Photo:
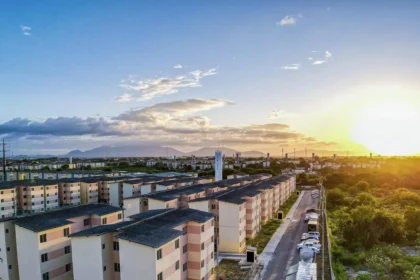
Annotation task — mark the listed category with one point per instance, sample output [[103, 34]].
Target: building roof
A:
[[57, 218], [157, 230], [103, 229], [36, 182]]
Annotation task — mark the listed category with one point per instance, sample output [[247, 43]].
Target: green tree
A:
[[123, 164], [336, 198], [364, 198], [362, 186]]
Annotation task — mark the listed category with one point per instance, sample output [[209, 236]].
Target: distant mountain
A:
[[126, 151], [152, 151]]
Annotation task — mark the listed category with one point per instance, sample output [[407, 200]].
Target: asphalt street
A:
[[285, 253]]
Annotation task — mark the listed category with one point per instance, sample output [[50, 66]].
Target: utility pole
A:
[[3, 145], [282, 153]]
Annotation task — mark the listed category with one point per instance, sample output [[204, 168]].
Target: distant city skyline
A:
[[261, 76]]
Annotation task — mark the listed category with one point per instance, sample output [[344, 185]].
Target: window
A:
[[202, 228], [202, 263], [10, 266], [160, 276], [212, 238], [103, 246], [177, 265], [185, 266], [211, 256], [104, 267], [159, 254], [177, 244], [43, 238], [44, 257], [116, 267], [119, 216], [202, 246], [184, 230], [8, 249], [46, 276], [104, 221], [184, 248], [213, 206], [116, 246], [66, 231], [67, 250], [86, 222], [68, 267]]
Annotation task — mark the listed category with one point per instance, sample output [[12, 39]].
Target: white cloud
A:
[[150, 88], [178, 66], [314, 51], [328, 54], [310, 58], [319, 62], [287, 20], [294, 66], [277, 114], [25, 30]]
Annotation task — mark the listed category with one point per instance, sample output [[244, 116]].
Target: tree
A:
[[123, 164], [65, 166], [362, 186], [364, 198], [335, 198]]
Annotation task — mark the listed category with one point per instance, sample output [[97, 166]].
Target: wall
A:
[[138, 261], [131, 207], [114, 194], [87, 266], [8, 257], [28, 254], [199, 205], [156, 204], [229, 227]]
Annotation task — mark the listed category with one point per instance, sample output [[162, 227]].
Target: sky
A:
[[249, 75]]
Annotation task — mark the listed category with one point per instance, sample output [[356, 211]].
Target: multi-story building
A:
[[8, 257], [37, 195], [8, 200], [157, 244], [43, 244], [69, 192], [89, 190]]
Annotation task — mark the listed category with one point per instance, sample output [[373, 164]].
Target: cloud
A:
[[319, 62], [310, 58], [163, 112], [25, 30], [294, 66], [150, 88], [327, 56], [178, 66], [287, 20], [277, 114]]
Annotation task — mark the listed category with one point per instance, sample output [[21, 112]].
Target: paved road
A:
[[286, 254]]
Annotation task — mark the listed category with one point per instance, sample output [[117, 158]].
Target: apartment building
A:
[[43, 244], [105, 184], [69, 191], [8, 200], [156, 244], [37, 196], [8, 257], [240, 212], [89, 190]]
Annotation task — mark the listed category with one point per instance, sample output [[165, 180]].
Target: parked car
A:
[[306, 236], [307, 216], [313, 247], [309, 243], [315, 233]]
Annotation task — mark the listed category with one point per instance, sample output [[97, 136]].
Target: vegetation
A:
[[371, 216], [268, 229], [230, 270]]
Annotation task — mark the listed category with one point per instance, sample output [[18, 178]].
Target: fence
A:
[[328, 235]]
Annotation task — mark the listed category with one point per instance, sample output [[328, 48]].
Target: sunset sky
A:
[[251, 75]]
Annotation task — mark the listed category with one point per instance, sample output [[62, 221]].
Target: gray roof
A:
[[36, 182], [52, 219], [103, 229], [157, 230]]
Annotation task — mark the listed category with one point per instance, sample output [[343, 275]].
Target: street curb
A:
[[267, 254]]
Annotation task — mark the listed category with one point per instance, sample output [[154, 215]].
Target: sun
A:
[[388, 128]]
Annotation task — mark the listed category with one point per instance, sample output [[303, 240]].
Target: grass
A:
[[268, 229], [230, 270]]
